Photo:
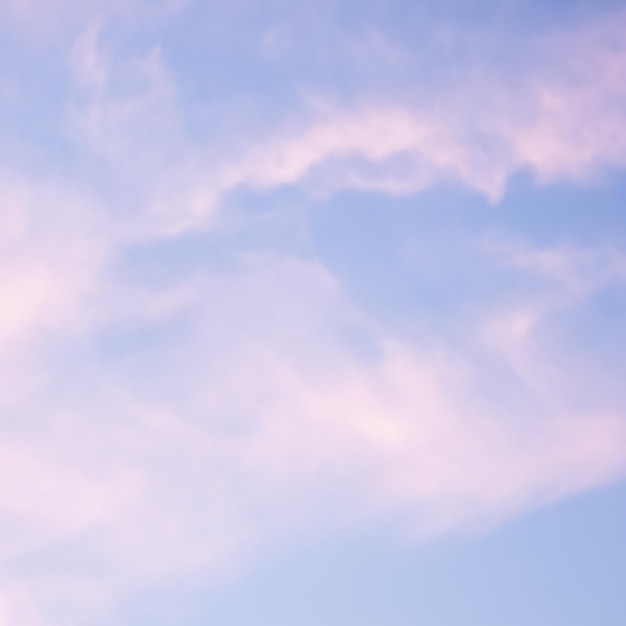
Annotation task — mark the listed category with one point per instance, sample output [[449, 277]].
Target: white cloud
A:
[[561, 279], [261, 423], [252, 411], [43, 23], [564, 122], [561, 116], [53, 246]]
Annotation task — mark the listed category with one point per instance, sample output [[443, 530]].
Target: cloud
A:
[[558, 281], [563, 117], [160, 430], [261, 422], [44, 23], [53, 246]]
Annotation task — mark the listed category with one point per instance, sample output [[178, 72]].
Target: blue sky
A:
[[312, 313]]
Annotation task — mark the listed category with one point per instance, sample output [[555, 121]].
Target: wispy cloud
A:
[[256, 418], [159, 429], [560, 116]]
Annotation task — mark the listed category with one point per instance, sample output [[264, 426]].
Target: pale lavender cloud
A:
[[239, 432], [47, 22], [268, 412], [561, 116], [53, 247]]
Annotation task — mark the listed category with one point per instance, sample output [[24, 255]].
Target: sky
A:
[[312, 313]]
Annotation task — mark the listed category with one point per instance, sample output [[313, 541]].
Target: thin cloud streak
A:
[[563, 122]]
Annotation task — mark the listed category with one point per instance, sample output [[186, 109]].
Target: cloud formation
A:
[[562, 118], [159, 424], [256, 424]]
